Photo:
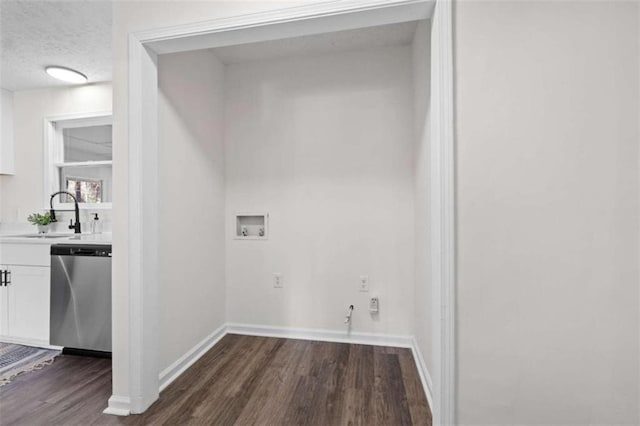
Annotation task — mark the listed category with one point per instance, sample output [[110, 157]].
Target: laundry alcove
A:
[[324, 133], [329, 132]]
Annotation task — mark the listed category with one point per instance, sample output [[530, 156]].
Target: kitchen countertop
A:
[[56, 238]]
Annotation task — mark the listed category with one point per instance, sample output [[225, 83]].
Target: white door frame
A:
[[143, 169], [443, 245]]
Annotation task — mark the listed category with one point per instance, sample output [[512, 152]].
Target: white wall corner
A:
[[443, 214], [423, 372], [638, 18], [143, 227], [169, 374], [118, 406]]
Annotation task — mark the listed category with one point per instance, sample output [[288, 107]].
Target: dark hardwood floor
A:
[[243, 380], [72, 390]]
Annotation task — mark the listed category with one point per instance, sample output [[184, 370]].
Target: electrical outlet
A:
[[373, 305], [277, 280], [363, 283]]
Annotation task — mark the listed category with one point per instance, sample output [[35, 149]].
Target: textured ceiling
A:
[[381, 36], [74, 34]]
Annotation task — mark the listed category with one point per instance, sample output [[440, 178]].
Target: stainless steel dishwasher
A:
[[81, 298]]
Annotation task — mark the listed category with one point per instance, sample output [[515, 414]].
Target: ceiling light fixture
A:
[[67, 74]]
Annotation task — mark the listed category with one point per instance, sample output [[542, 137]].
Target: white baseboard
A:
[[425, 377], [172, 372], [118, 406], [29, 342], [322, 335]]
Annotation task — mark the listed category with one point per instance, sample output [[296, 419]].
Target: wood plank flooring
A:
[[243, 380], [72, 390]]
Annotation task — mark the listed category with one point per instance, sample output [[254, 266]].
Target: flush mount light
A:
[[67, 74]]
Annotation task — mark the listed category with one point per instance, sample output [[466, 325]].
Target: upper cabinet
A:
[[6, 134]]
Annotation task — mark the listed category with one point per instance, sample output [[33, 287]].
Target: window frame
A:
[[54, 155]]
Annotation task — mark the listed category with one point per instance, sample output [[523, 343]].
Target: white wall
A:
[[191, 249], [130, 17], [423, 294], [23, 193], [547, 197], [6, 134], [324, 144]]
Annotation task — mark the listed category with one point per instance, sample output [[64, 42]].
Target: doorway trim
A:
[[443, 214], [143, 227]]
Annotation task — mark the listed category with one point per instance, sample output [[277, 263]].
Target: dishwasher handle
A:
[[92, 250], [82, 252]]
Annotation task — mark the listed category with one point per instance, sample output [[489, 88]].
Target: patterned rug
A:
[[16, 359]]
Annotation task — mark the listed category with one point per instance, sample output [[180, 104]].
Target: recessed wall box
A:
[[251, 226]]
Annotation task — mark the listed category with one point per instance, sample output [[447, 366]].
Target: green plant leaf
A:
[[39, 219]]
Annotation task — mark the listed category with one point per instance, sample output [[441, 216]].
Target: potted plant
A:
[[42, 221]]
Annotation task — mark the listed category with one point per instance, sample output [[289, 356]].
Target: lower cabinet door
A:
[[29, 303], [4, 307]]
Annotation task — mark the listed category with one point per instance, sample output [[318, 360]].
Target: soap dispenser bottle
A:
[[95, 224]]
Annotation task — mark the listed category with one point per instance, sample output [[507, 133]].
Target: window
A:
[[79, 156], [85, 190]]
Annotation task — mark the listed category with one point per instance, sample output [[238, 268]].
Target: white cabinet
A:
[[4, 309], [24, 298], [28, 296], [6, 133]]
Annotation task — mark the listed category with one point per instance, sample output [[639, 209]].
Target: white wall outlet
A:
[[373, 305], [277, 280], [363, 283]]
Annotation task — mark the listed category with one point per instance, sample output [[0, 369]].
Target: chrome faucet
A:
[[76, 227]]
